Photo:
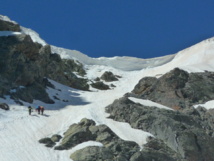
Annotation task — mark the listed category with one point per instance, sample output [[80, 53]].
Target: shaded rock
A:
[[97, 79], [47, 141], [31, 92], [4, 106], [112, 85], [9, 26], [100, 85], [30, 65], [109, 77]]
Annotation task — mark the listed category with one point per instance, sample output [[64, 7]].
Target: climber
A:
[[42, 109], [38, 109], [30, 109]]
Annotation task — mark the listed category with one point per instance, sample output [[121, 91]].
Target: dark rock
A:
[[56, 98], [177, 89], [85, 130], [112, 85], [4, 106], [9, 26], [97, 79], [24, 63], [47, 83], [186, 132], [156, 149], [31, 92], [47, 141], [109, 77], [100, 85]]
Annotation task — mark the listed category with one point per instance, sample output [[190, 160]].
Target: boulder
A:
[[109, 77], [100, 85], [4, 106], [47, 141]]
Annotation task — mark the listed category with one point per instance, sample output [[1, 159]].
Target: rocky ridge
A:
[[107, 77], [177, 89], [186, 130], [25, 66], [113, 147]]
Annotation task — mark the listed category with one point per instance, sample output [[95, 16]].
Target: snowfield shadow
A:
[[45, 115], [62, 96], [34, 115]]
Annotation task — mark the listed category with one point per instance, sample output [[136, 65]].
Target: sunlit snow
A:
[[208, 105], [148, 103]]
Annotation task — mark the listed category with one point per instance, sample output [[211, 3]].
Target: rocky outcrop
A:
[[113, 147], [50, 142], [25, 65], [187, 132], [177, 89], [100, 85], [109, 77], [4, 106], [156, 149], [9, 26]]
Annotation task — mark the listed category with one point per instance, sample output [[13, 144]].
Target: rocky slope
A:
[[177, 89], [186, 131], [25, 66]]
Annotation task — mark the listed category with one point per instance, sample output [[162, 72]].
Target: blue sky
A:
[[138, 28]]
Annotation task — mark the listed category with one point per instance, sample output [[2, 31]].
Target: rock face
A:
[[113, 147], [4, 106], [47, 141], [188, 133], [100, 85], [25, 65], [9, 26], [50, 142], [177, 89], [109, 77]]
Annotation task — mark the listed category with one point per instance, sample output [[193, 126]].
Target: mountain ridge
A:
[[155, 131]]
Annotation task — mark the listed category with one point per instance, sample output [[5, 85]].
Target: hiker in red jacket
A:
[[42, 109]]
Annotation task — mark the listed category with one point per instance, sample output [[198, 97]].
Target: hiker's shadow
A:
[[34, 115], [45, 115]]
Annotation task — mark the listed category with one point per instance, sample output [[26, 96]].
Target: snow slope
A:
[[122, 63], [20, 132]]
